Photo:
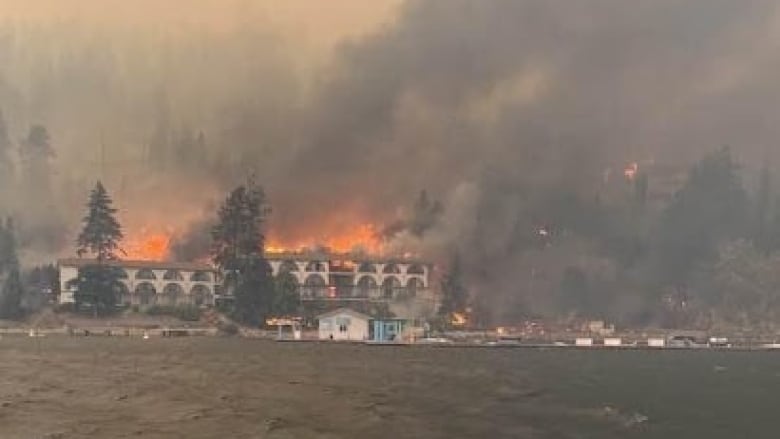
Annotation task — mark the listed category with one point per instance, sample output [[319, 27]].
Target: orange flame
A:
[[148, 247], [155, 246], [459, 319], [361, 238]]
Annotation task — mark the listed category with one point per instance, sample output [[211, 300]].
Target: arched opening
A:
[[314, 286], [172, 294], [201, 276], [415, 269], [366, 286], [201, 295], [145, 274], [173, 275], [124, 297], [121, 273], [414, 285], [390, 287], [145, 293], [316, 266], [391, 269], [367, 267], [288, 267]]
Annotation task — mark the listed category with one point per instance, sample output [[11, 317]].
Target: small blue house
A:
[[388, 330]]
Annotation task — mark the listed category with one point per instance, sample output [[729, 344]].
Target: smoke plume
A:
[[508, 112]]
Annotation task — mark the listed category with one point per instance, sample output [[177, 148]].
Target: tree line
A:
[[709, 257]]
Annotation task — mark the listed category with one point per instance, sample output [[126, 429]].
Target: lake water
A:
[[200, 387]]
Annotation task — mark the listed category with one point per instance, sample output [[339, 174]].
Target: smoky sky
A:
[[479, 102]]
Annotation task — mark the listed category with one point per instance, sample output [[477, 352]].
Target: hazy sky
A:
[[318, 22]]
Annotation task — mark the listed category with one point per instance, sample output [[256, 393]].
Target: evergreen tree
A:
[[98, 286], [8, 256], [101, 233], [36, 152], [773, 226], [286, 297], [11, 296], [455, 296], [41, 283], [762, 212], [709, 208], [238, 250], [12, 289], [98, 283]]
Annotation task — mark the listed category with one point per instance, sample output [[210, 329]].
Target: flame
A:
[[631, 170], [363, 237], [148, 247], [458, 319]]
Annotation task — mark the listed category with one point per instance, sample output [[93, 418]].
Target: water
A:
[[664, 394], [206, 387]]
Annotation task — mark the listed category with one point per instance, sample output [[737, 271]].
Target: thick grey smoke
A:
[[492, 104], [489, 105]]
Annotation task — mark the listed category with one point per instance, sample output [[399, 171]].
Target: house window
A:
[[342, 328]]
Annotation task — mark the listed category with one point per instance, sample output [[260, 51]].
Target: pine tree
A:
[[709, 208], [761, 215], [101, 233], [8, 256], [12, 289], [11, 296], [98, 283], [286, 299], [237, 249], [36, 153]]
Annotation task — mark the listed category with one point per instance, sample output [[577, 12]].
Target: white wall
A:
[[68, 273], [356, 328]]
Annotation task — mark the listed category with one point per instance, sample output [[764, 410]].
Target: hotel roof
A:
[[329, 256], [153, 265]]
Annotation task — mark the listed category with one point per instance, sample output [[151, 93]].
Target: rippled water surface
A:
[[236, 388]]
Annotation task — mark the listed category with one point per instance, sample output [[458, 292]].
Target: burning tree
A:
[[238, 250], [455, 296], [98, 283]]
